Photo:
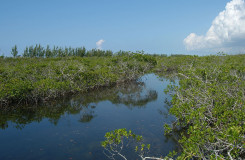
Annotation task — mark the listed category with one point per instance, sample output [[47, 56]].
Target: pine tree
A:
[[26, 52], [14, 51], [48, 52]]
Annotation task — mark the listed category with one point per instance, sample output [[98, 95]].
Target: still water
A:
[[72, 128]]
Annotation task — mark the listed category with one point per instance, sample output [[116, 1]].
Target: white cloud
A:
[[99, 43], [227, 32]]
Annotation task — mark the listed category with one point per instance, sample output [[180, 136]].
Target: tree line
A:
[[55, 51]]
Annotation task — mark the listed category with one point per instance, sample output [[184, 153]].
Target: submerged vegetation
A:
[[208, 102]]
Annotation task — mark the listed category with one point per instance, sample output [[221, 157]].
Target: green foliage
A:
[[39, 51], [14, 51], [145, 58], [208, 102], [116, 140], [33, 79], [22, 114], [209, 106]]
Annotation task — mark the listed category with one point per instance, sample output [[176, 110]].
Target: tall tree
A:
[[48, 52], [14, 51], [26, 52]]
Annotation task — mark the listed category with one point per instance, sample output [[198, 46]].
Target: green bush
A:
[[37, 79], [209, 106]]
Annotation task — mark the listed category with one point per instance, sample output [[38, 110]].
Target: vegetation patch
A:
[[33, 79], [208, 102], [209, 106]]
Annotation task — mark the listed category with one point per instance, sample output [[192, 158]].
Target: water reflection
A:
[[132, 95], [87, 114], [73, 127]]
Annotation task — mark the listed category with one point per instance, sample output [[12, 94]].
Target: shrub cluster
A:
[[41, 79], [209, 106]]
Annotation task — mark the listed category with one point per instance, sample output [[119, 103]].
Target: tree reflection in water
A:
[[132, 95]]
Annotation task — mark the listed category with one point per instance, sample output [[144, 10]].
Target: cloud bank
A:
[[227, 32], [99, 43]]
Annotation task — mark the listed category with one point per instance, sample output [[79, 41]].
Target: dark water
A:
[[72, 128]]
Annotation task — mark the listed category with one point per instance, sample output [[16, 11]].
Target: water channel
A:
[[72, 128]]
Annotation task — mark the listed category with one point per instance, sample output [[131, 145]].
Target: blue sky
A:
[[155, 26]]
